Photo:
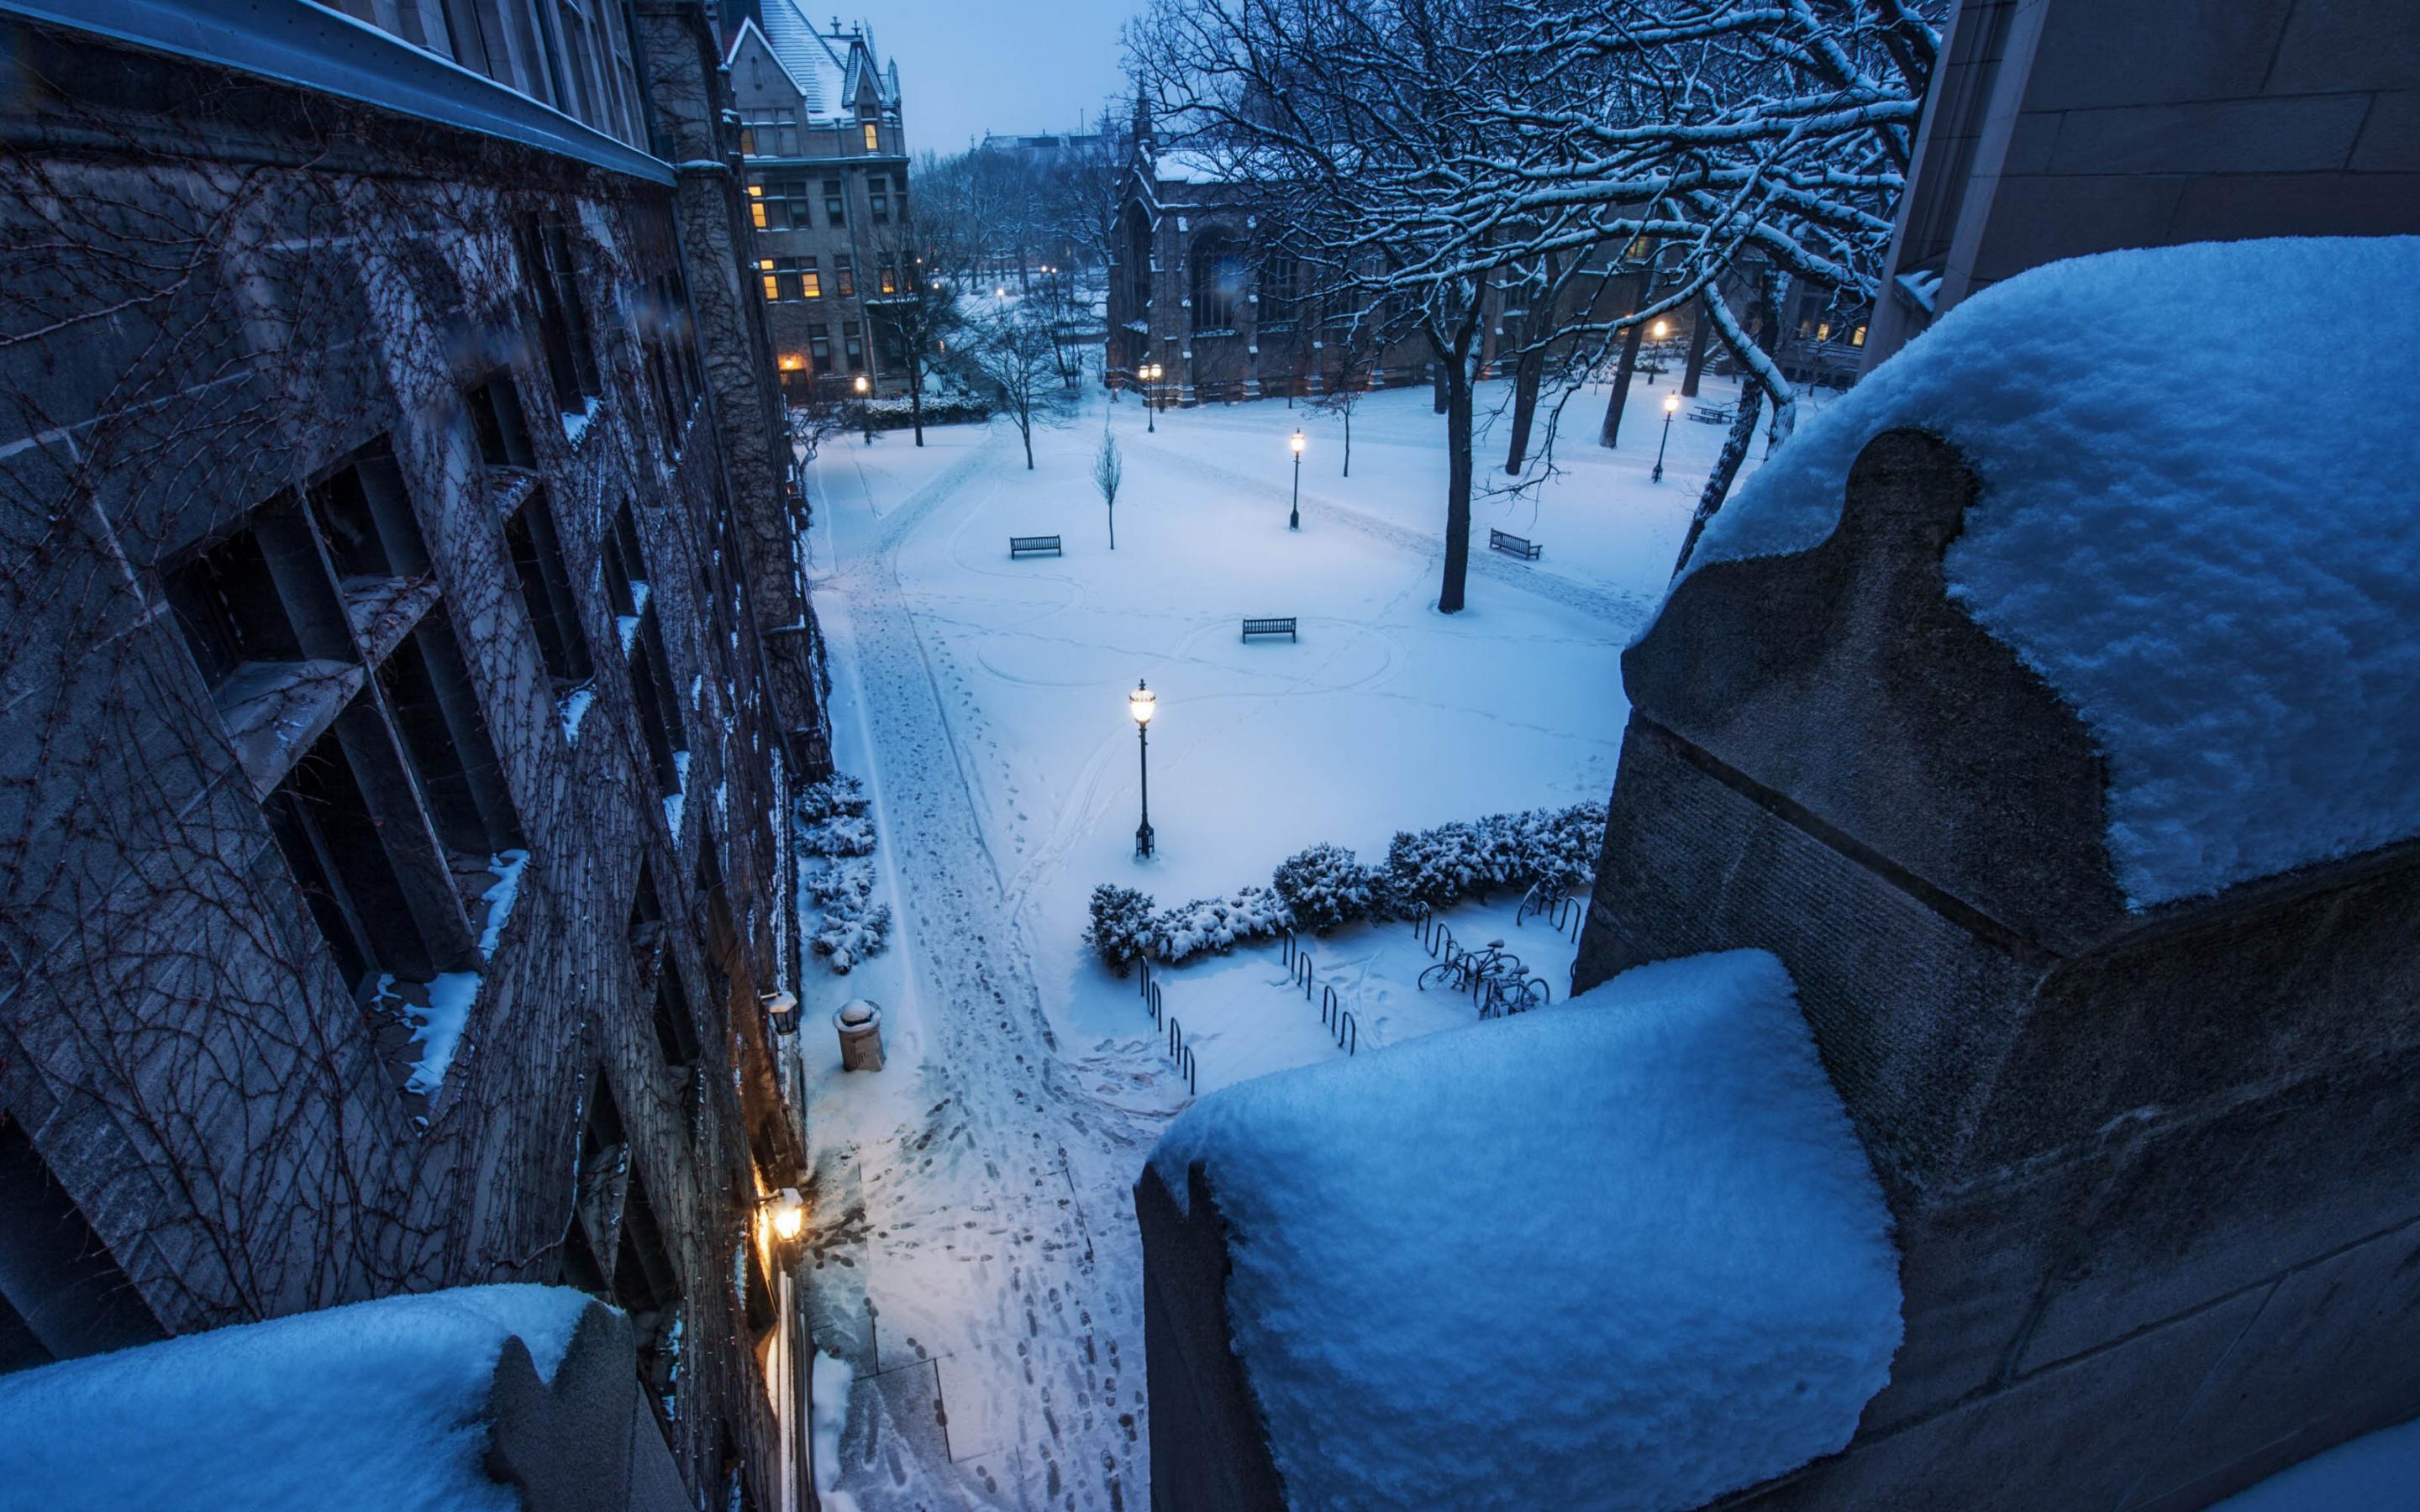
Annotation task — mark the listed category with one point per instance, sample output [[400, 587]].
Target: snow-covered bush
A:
[[1327, 886], [1120, 932], [1218, 924], [833, 818], [854, 927], [1438, 867], [1441, 867]]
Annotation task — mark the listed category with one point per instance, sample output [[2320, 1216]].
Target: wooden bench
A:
[[1034, 546], [1715, 414], [1525, 550], [1275, 625]]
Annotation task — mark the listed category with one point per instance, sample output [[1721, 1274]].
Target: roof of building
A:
[[2196, 526], [829, 67]]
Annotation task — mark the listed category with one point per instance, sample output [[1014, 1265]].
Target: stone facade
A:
[[386, 496], [2147, 1169], [826, 180], [2058, 128]]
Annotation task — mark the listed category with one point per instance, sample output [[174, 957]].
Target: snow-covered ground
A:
[[978, 1269]]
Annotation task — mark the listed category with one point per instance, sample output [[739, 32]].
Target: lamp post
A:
[[1293, 521], [1671, 404], [1149, 373], [1139, 703]]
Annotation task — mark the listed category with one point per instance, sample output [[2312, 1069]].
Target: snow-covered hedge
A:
[[1120, 931], [854, 927], [1327, 886], [834, 822], [1218, 924], [896, 414]]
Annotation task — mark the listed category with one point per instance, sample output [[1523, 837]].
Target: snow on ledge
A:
[[1624, 1253], [380, 1404], [2203, 539]]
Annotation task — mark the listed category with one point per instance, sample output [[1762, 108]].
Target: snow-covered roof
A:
[[829, 69], [2196, 521], [1624, 1253], [1184, 166], [378, 1404]]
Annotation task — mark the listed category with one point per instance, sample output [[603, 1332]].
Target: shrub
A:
[[1120, 932], [1217, 925], [841, 834], [1438, 867], [854, 928], [837, 794], [1327, 886]]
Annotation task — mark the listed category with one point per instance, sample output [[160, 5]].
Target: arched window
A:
[[1217, 285]]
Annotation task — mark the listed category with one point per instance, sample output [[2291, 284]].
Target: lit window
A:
[[756, 208], [873, 138], [1857, 337], [1823, 331], [772, 286], [811, 282]]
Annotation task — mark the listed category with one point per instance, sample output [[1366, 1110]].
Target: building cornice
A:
[[310, 47]]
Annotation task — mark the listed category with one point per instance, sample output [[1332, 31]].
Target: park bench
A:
[[1527, 550], [1034, 546], [1715, 414], [1275, 625]]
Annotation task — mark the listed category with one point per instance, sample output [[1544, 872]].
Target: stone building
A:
[[2058, 128], [827, 165], [407, 668]]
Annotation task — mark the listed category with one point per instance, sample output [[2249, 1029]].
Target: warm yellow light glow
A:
[[791, 364], [862, 384], [1000, 292], [1296, 443], [789, 1214], [1672, 402], [1140, 702], [1658, 329]]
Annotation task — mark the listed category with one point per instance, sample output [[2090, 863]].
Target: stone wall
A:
[[221, 292], [2149, 1170]]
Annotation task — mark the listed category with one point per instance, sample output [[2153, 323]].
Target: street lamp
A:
[[1139, 703], [862, 384], [1293, 521], [1149, 373], [785, 1213], [1658, 329], [1671, 404]]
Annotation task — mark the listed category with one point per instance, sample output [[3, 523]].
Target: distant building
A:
[[407, 669], [827, 181], [1046, 148], [2058, 128]]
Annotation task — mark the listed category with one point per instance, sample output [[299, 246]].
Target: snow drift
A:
[[1622, 1254], [2197, 527], [380, 1404]]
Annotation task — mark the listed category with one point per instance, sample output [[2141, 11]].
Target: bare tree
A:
[[1014, 352], [1109, 472], [915, 305]]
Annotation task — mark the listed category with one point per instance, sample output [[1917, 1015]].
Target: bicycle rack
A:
[[1178, 1051], [1340, 1020]]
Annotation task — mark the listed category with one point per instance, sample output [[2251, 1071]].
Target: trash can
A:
[[860, 1035]]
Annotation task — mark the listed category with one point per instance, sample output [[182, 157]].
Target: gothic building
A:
[[407, 671], [827, 167]]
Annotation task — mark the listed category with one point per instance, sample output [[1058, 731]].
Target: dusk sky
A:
[[968, 67]]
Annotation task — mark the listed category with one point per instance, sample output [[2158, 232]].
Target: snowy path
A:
[[979, 1269]]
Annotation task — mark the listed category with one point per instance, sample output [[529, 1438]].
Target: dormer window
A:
[[873, 137]]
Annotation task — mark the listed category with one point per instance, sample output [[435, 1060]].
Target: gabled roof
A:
[[832, 71]]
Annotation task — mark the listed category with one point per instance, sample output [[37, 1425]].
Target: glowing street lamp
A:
[[1659, 331], [1671, 404], [1293, 521], [1139, 703], [785, 1213], [863, 385], [1149, 373]]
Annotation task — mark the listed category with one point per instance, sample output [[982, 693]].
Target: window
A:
[[811, 283], [769, 132], [495, 408], [843, 276], [647, 1289], [766, 276], [676, 1027], [778, 202], [878, 191], [889, 277], [651, 688], [545, 591], [228, 603], [453, 757], [562, 328], [873, 137], [835, 211], [601, 1186], [624, 565], [334, 846], [819, 347], [1280, 275], [899, 192], [366, 521], [853, 344], [1857, 337], [61, 1294], [1217, 285]]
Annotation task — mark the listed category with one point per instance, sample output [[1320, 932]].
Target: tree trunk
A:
[[1113, 527], [1620, 394], [1726, 466], [916, 397], [1438, 387], [1527, 370], [1348, 439], [1700, 330], [1025, 430], [1457, 488]]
